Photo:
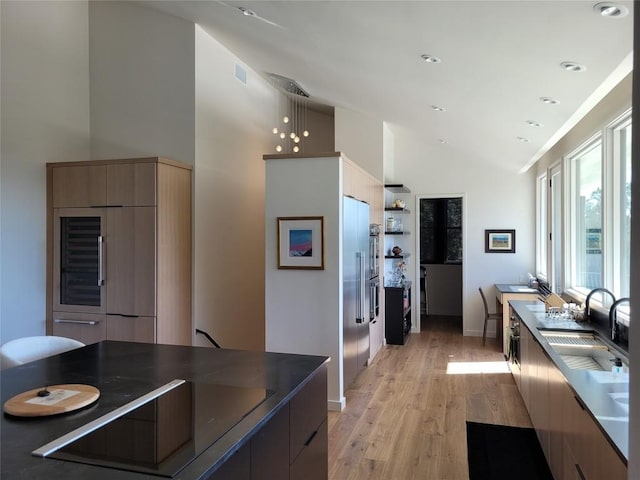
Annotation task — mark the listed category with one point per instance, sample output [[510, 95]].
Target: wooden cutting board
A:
[[61, 399]]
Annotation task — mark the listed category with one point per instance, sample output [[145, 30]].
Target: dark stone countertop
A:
[[124, 371], [593, 388]]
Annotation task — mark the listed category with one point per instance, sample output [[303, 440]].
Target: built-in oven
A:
[[374, 296], [514, 345]]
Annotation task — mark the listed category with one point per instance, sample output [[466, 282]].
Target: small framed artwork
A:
[[301, 242], [500, 241]]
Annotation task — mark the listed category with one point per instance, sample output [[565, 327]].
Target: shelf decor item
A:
[[301, 243], [500, 241]]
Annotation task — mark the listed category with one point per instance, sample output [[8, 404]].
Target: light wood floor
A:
[[405, 416]]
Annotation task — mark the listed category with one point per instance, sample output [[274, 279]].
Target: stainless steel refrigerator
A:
[[355, 277]]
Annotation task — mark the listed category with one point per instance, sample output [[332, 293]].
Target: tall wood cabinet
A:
[[119, 250]]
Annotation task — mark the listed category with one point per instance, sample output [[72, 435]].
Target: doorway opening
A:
[[440, 249]]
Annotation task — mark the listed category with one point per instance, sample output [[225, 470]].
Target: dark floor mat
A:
[[499, 452]]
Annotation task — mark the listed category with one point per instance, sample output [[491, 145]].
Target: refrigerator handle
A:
[[360, 293]]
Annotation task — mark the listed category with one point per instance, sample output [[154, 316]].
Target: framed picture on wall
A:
[[500, 241], [301, 242]]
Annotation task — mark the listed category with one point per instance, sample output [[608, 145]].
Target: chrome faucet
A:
[[587, 309], [613, 321]]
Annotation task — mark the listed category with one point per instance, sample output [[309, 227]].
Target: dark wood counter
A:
[[125, 371]]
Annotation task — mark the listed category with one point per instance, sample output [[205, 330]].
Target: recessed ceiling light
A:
[[611, 10], [437, 109], [573, 67], [549, 100], [533, 123], [247, 12], [522, 139], [442, 141], [430, 58]]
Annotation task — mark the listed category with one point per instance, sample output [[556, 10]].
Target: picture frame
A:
[[500, 241], [301, 243]]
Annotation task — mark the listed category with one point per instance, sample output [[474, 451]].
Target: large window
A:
[[621, 134], [555, 233], [584, 217], [541, 227]]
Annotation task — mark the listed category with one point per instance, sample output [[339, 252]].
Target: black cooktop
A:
[[164, 435]]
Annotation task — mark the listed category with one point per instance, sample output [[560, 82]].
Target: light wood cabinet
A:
[[130, 261], [119, 244], [573, 444], [85, 327]]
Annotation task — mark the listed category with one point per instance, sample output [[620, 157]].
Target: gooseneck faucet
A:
[[587, 309], [613, 321]]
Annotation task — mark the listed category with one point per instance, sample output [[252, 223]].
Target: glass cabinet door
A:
[[79, 260]]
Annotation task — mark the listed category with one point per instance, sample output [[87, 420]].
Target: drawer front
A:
[[308, 409], [85, 327], [131, 329], [312, 463]]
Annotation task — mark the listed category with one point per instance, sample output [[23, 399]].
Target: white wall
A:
[[304, 307], [361, 138], [233, 131], [493, 198], [322, 133], [142, 83], [45, 118]]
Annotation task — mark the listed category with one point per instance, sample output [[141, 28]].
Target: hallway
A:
[[405, 415]]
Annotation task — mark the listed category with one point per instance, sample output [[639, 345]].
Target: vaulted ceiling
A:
[[498, 59]]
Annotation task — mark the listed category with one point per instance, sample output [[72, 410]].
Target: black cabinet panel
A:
[[270, 449], [397, 314], [238, 467], [312, 463], [308, 410]]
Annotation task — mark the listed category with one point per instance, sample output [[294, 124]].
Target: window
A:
[[586, 241], [541, 227], [584, 218], [441, 230], [621, 134], [555, 232]]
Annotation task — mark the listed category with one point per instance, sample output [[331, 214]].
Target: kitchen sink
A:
[[583, 350], [622, 399]]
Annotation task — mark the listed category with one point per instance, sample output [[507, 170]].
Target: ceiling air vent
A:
[[287, 85]]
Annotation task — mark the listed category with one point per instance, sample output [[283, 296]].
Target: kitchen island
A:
[[283, 435]]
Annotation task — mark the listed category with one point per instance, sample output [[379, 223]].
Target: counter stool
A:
[[488, 316], [27, 349]]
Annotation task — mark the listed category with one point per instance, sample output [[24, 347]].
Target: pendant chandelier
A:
[[291, 127]]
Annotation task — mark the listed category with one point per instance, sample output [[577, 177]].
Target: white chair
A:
[[27, 349]]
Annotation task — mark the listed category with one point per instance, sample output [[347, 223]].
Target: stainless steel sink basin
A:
[[582, 350]]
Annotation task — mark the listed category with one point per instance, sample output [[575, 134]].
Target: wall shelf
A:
[[397, 209], [397, 188]]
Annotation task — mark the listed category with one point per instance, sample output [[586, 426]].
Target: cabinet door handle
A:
[[79, 322], [313, 435], [100, 260], [579, 471]]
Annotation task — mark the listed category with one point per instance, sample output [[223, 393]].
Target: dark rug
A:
[[498, 452]]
